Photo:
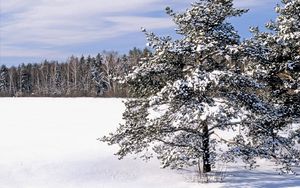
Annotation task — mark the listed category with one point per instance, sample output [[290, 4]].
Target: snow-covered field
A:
[[52, 143]]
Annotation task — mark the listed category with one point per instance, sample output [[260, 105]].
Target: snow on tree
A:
[[25, 79], [190, 89], [58, 79], [280, 52], [98, 76], [273, 58], [3, 79]]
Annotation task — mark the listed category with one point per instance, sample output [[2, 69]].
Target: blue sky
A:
[[34, 30]]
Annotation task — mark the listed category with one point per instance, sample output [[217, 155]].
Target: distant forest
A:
[[77, 77]]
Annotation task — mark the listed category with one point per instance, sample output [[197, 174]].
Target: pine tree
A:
[[25, 79], [273, 59], [98, 77], [3, 79], [280, 53], [284, 52], [83, 73], [190, 89], [58, 79]]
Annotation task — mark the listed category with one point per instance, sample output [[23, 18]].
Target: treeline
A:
[[77, 77]]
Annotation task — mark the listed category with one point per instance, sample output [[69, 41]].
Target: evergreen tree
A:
[[25, 79], [58, 79], [4, 79], [83, 75], [134, 56], [188, 90], [273, 58], [278, 53], [98, 77]]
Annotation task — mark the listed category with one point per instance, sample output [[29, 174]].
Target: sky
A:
[[34, 30]]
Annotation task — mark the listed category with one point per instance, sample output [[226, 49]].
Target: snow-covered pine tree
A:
[[190, 89], [25, 79], [284, 52], [273, 58], [98, 76], [58, 79], [280, 53], [3, 79]]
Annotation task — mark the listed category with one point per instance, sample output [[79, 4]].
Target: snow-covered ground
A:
[[52, 143]]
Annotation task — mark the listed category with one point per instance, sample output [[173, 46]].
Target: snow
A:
[[52, 142]]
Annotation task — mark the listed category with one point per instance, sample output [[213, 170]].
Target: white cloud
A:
[[40, 23], [66, 31], [29, 26], [23, 52]]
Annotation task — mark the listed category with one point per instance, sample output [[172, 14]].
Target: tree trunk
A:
[[206, 155]]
